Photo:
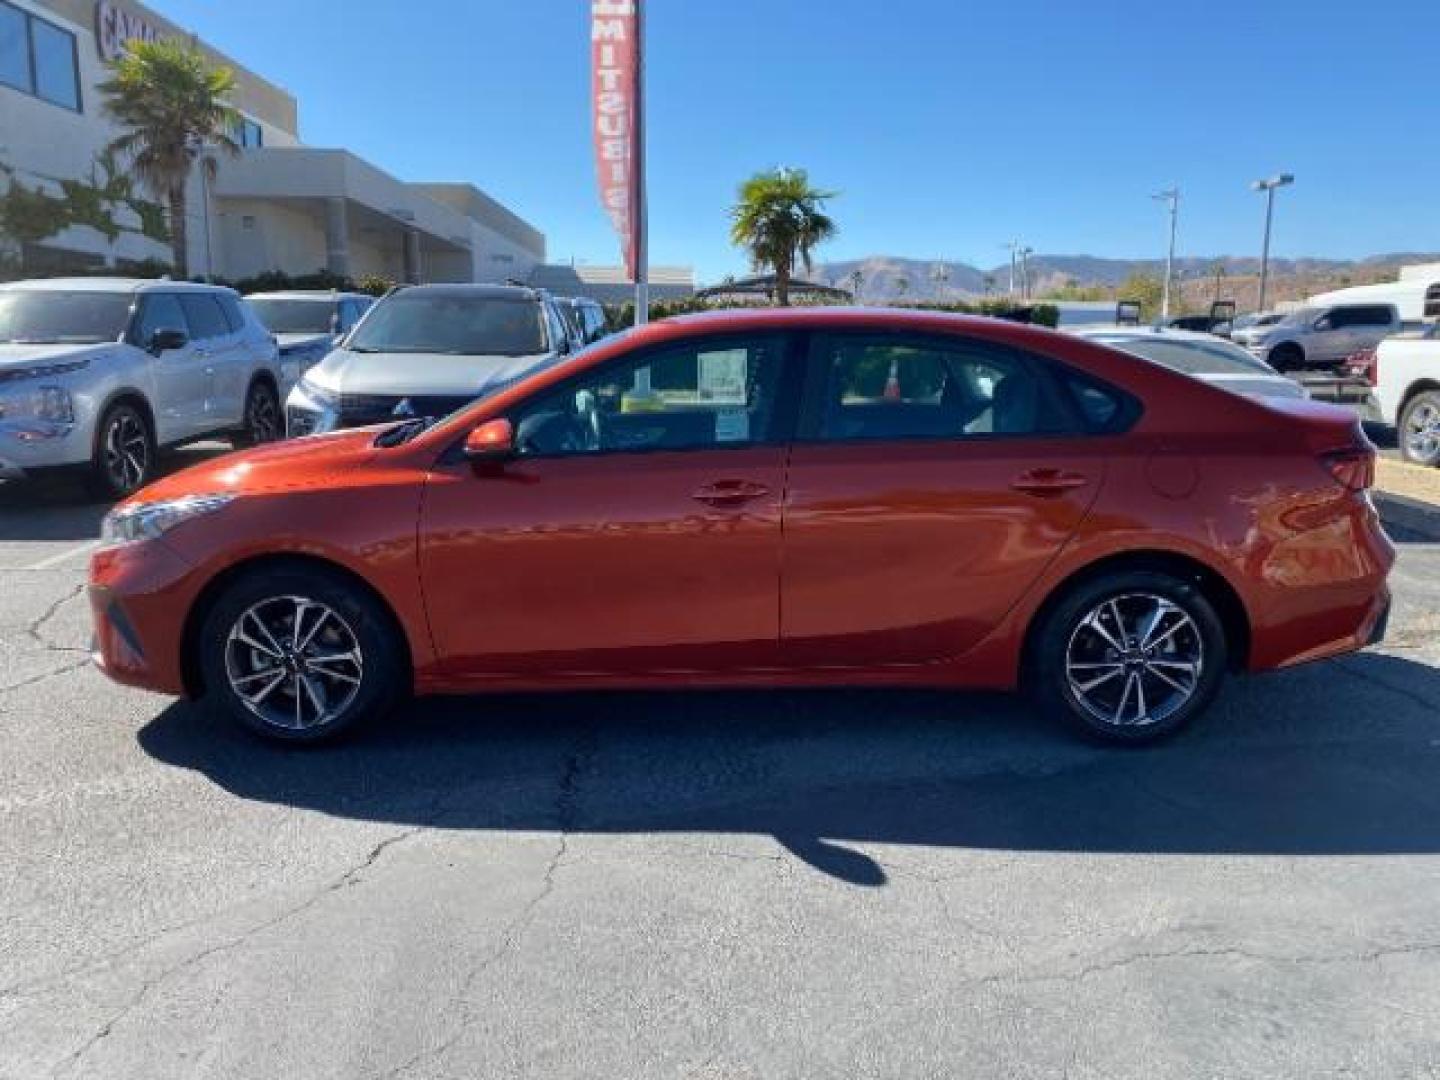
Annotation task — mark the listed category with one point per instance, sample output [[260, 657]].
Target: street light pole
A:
[[1172, 196], [1025, 253], [1014, 246], [1268, 186]]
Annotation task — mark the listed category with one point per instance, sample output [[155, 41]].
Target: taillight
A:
[[1353, 467], [1364, 364]]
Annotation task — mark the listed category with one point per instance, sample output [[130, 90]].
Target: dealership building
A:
[[279, 205]]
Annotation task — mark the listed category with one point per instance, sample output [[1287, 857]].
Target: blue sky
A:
[[946, 126]]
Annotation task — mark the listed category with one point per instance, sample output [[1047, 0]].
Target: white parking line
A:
[[64, 556]]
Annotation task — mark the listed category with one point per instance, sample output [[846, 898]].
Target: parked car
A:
[[307, 324], [426, 350], [104, 372], [1246, 330], [1220, 320], [1203, 355], [1321, 337], [1405, 372], [565, 308], [804, 497]]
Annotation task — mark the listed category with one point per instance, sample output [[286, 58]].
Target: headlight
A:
[[146, 521], [51, 403]]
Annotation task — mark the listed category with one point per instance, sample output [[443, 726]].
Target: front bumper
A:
[[27, 445], [139, 596]]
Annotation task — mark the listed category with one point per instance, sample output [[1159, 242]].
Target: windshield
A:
[[1192, 357], [71, 318], [1300, 317], [427, 322], [296, 316]]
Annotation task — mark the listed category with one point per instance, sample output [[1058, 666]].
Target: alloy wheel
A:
[[263, 415], [126, 451], [1134, 660], [293, 662], [1422, 431]]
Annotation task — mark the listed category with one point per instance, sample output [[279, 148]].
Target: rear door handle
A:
[[1045, 483], [730, 492]]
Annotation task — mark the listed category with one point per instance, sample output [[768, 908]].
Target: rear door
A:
[[932, 482], [226, 354]]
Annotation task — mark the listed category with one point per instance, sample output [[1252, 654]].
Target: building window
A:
[[247, 133], [38, 58]]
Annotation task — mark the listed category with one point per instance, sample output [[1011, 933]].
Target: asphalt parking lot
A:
[[712, 885]]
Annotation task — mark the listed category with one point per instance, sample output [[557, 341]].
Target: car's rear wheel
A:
[[263, 421], [300, 654], [1286, 358], [1131, 657], [1420, 429], [124, 458]]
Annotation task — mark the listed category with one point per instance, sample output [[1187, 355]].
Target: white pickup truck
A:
[[1406, 375]]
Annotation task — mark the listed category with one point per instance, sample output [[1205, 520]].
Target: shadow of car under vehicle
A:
[[1271, 771]]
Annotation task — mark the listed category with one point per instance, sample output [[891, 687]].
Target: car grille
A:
[[356, 410]]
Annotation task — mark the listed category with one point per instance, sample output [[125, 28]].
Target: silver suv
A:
[[1322, 337], [104, 372]]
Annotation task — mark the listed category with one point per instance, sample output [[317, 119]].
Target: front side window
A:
[[411, 321], [53, 317], [705, 395], [878, 389], [203, 314], [159, 311]]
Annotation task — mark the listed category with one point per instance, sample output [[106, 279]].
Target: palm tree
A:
[[856, 280], [174, 106], [780, 218], [902, 286], [940, 274], [989, 282]]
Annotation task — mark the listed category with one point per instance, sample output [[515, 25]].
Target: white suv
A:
[[103, 372]]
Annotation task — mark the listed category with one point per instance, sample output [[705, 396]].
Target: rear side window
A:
[[203, 313], [881, 389], [1103, 409], [233, 315]]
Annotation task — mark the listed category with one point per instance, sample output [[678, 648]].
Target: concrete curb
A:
[[1408, 515]]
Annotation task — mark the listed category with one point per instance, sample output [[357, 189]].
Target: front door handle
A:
[[730, 492], [1047, 483]]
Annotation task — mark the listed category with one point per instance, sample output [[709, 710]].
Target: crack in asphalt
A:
[[33, 679], [33, 630], [567, 818], [351, 876]]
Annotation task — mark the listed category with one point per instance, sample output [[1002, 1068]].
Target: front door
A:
[[932, 483], [181, 381], [637, 530]]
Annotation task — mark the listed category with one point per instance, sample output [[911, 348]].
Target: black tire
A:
[[1419, 430], [1068, 636], [290, 711], [263, 421], [1287, 357], [125, 454]]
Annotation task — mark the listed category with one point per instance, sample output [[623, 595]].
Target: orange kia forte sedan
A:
[[815, 497]]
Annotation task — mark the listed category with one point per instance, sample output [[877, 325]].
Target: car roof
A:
[[112, 285], [308, 294], [1164, 333], [478, 292]]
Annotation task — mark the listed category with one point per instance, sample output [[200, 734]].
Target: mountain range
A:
[[885, 278]]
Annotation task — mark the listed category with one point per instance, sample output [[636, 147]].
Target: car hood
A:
[[1258, 385], [281, 466], [288, 342], [419, 374], [14, 357]]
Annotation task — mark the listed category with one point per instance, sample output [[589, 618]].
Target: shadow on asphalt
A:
[[58, 506], [1313, 762]]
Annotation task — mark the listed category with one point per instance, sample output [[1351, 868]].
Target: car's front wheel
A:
[[124, 457], [1130, 657], [1287, 358], [263, 422], [300, 654], [1420, 429]]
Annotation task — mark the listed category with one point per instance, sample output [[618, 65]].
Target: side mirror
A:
[[492, 441], [167, 338]]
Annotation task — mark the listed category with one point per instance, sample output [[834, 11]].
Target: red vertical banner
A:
[[615, 71]]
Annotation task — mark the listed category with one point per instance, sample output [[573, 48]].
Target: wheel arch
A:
[[1287, 347], [1414, 390], [1234, 617], [127, 395], [191, 672]]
